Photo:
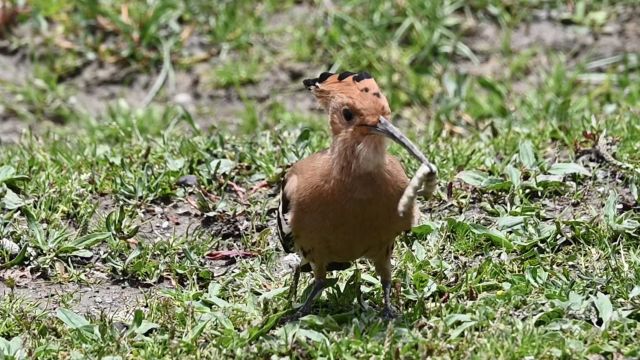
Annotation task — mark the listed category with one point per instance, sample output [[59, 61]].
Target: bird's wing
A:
[[284, 229], [284, 226]]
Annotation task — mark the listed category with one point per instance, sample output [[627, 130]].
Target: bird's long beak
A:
[[384, 127]]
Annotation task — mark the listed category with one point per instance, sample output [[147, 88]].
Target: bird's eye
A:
[[347, 114]]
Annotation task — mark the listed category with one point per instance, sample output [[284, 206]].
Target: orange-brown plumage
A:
[[340, 204]]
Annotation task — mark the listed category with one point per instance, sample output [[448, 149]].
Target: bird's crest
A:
[[359, 88]]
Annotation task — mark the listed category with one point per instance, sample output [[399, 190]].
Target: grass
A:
[[529, 250]]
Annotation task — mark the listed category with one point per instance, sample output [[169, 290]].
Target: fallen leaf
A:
[[173, 219], [193, 203], [260, 185], [229, 254], [239, 190]]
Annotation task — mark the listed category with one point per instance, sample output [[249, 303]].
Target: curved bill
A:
[[384, 127]]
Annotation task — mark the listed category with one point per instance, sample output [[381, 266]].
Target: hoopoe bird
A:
[[341, 204]]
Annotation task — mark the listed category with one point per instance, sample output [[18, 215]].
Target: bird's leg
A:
[[387, 310], [383, 268], [293, 290], [320, 281], [318, 286]]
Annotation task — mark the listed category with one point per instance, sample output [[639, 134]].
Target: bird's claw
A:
[[388, 313], [301, 312]]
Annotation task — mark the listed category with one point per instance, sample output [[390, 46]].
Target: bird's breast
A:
[[347, 220]]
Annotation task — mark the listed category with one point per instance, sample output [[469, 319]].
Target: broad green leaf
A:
[[6, 172], [138, 316], [145, 327], [17, 260], [368, 278], [537, 276], [545, 180], [83, 253], [515, 176], [419, 251], [221, 166], [496, 236], [8, 175], [482, 180], [568, 169], [610, 206], [12, 201], [634, 292], [526, 154], [311, 335], [217, 301], [268, 324], [175, 164], [454, 318], [196, 331], [507, 222], [424, 229], [627, 225], [429, 289], [89, 240], [472, 177], [320, 322], [605, 308], [461, 328], [35, 228], [213, 289], [273, 293], [492, 86], [71, 319], [549, 316], [12, 349]]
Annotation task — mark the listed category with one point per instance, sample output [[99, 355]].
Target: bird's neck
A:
[[351, 158]]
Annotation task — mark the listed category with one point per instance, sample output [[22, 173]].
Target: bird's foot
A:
[[301, 312], [388, 313]]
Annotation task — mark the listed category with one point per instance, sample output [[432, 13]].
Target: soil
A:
[[117, 301]]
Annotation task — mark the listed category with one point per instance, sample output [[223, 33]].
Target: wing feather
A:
[[284, 229]]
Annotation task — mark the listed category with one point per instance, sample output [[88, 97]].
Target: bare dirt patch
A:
[[116, 301], [546, 33]]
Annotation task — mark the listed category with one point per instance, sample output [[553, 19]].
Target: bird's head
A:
[[358, 111]]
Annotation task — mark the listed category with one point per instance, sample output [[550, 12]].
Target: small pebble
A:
[[188, 180], [183, 98]]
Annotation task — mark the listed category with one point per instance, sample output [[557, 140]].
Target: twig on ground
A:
[[600, 150]]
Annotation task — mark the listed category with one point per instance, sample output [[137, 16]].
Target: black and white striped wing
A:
[[286, 236], [284, 229]]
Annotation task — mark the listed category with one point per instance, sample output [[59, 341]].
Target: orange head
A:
[[352, 100], [357, 109]]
